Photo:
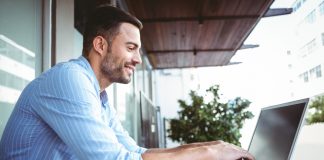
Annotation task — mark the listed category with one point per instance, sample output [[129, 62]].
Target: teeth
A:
[[130, 69]]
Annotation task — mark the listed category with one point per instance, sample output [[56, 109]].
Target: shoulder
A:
[[68, 78], [72, 70]]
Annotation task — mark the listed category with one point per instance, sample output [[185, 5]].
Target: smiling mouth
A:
[[130, 68]]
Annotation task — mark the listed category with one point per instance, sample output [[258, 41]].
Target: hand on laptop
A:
[[215, 150], [227, 151]]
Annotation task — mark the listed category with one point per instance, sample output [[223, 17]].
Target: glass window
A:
[[318, 71], [140, 76], [288, 52], [321, 8], [304, 77], [147, 80], [289, 66], [309, 48], [315, 72], [125, 103], [297, 5], [311, 17], [19, 51]]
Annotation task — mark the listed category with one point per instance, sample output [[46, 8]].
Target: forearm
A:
[[178, 153], [199, 151], [182, 147]]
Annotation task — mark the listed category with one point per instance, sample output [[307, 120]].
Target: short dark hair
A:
[[105, 21]]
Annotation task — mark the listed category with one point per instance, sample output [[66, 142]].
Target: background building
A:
[[306, 57], [306, 65]]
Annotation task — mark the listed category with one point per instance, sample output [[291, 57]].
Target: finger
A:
[[244, 154], [238, 148], [248, 156]]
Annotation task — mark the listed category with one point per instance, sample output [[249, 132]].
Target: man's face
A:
[[119, 63]]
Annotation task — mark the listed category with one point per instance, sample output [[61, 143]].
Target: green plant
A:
[[316, 108], [206, 121]]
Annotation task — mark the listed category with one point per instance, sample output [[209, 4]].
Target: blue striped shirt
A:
[[63, 115]]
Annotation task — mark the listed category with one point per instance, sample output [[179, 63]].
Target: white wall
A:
[[170, 86], [310, 143], [78, 44], [64, 48]]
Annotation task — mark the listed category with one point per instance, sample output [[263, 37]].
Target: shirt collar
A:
[[85, 63], [104, 98]]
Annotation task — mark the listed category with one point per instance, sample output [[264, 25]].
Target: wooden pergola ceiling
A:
[[195, 33]]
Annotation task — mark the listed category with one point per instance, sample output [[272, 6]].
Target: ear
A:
[[100, 45]]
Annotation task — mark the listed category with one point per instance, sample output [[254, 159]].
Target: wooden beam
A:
[[190, 50], [195, 66], [198, 19], [233, 63], [249, 46], [278, 12]]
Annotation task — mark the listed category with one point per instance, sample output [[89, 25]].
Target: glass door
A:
[[20, 51]]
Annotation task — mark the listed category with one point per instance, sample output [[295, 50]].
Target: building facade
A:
[[306, 57], [306, 65]]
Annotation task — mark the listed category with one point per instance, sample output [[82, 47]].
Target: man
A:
[[64, 113]]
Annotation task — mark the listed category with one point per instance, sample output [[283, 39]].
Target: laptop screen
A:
[[276, 130]]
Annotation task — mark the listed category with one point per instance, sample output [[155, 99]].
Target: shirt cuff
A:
[[136, 156], [141, 150]]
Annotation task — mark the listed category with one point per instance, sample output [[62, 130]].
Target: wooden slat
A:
[[190, 35], [185, 59], [187, 25]]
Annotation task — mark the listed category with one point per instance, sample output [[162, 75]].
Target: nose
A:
[[137, 58]]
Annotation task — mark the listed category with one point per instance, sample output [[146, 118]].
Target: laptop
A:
[[277, 129]]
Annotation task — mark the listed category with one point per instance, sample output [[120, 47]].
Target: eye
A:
[[131, 48]]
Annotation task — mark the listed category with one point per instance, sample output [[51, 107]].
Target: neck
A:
[[102, 80]]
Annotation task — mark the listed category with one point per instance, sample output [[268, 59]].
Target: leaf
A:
[[201, 121], [317, 105]]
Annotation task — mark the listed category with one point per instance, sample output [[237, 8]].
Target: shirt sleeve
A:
[[70, 105], [122, 135]]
